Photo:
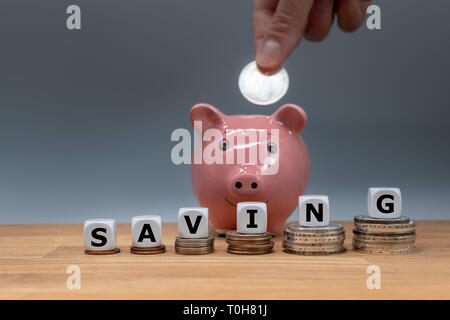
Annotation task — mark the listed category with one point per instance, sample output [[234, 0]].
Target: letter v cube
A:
[[193, 222]]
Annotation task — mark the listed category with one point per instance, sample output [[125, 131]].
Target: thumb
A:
[[284, 33]]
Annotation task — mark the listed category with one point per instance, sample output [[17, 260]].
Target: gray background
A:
[[86, 116]]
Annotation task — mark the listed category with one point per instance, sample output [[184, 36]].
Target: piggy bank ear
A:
[[291, 116], [209, 116]]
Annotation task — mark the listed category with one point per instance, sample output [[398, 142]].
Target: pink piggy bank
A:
[[249, 158]]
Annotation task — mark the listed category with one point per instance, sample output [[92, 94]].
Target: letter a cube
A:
[[146, 231]]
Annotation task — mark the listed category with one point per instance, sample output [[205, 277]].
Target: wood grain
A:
[[34, 259]]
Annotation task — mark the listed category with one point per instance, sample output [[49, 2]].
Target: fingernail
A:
[[268, 54]]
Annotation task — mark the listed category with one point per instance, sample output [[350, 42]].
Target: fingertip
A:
[[313, 36], [348, 24], [350, 16], [269, 71], [268, 56]]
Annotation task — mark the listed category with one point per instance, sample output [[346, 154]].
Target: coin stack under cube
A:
[[313, 240], [384, 231], [194, 236], [251, 236], [239, 243], [314, 235], [194, 246]]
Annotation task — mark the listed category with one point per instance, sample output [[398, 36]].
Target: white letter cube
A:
[[100, 234], [313, 211], [251, 217], [193, 222], [146, 231], [384, 203]]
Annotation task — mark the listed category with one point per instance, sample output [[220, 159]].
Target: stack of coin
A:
[[313, 240], [194, 246], [384, 236], [104, 252], [249, 243], [149, 250]]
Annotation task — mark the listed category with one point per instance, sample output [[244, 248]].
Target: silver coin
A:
[[394, 252], [192, 243], [383, 249], [314, 253], [262, 89], [376, 235], [194, 246], [324, 239], [248, 241], [194, 251], [361, 244], [385, 244], [314, 237], [296, 229], [312, 246], [386, 228], [367, 219], [179, 238], [248, 252], [234, 235]]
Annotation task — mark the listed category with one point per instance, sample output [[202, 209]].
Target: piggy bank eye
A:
[[272, 147], [224, 144]]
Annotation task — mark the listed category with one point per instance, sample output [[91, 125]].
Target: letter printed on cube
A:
[[384, 203], [251, 217], [146, 231], [100, 234], [313, 211], [193, 222]]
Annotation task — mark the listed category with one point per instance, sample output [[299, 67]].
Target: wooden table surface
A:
[[34, 260]]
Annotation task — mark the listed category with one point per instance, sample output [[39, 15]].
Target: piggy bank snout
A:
[[246, 184]]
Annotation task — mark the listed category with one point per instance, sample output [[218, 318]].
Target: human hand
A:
[[279, 25]]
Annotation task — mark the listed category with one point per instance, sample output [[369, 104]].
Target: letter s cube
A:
[[100, 234]]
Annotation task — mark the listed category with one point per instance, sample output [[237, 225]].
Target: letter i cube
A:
[[251, 217]]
